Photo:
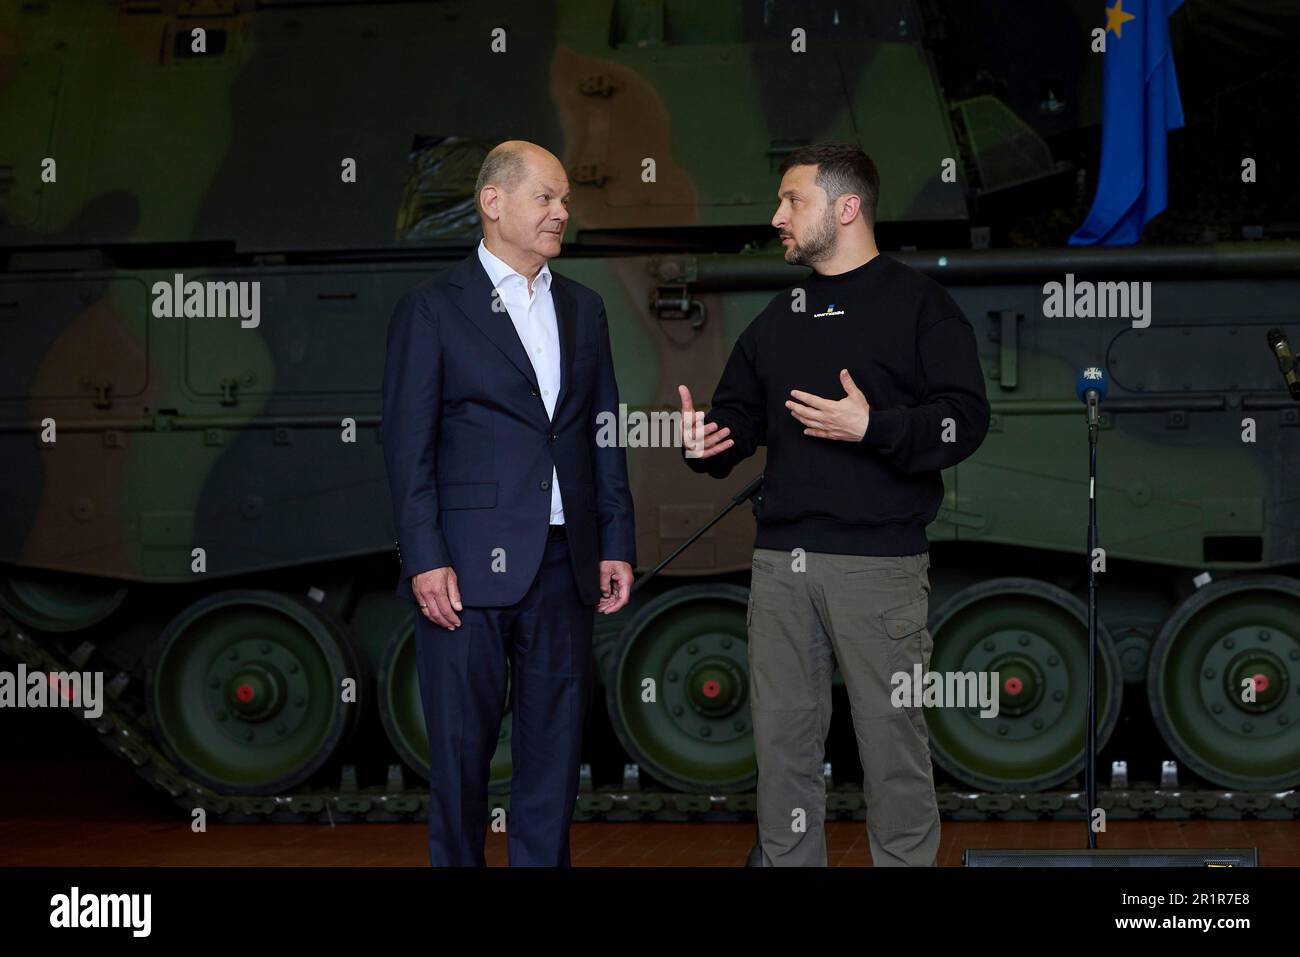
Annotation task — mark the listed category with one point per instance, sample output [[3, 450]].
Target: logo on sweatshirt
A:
[[830, 311]]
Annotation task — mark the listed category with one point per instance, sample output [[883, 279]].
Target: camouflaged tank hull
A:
[[317, 152]]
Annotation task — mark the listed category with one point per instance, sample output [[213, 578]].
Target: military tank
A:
[[196, 505]]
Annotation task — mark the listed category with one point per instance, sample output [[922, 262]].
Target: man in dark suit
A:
[[512, 522]]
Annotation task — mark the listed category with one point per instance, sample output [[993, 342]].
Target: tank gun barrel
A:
[[753, 271]]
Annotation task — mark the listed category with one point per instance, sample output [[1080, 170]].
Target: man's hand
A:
[[439, 596], [703, 442], [844, 419], [615, 586]]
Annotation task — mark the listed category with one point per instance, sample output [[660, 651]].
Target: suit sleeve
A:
[[412, 408], [954, 418], [614, 512], [738, 404]]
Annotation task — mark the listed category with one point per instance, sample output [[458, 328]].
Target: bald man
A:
[[514, 526]]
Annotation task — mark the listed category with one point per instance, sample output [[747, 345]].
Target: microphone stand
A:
[[1090, 733], [755, 857], [746, 493]]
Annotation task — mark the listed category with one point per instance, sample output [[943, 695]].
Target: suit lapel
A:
[[475, 300], [566, 318]]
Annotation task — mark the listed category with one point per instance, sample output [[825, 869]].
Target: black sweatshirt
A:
[[910, 350]]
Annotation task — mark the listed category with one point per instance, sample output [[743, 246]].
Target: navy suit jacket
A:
[[469, 447]]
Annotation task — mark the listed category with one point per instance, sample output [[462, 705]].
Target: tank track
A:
[[120, 730]]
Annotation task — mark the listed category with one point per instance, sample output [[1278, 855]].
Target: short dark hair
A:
[[841, 168]]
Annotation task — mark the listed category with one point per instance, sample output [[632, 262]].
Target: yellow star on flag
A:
[[1116, 18]]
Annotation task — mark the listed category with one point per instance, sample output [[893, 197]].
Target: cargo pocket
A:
[[905, 625]]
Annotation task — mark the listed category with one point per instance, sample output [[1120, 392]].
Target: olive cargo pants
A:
[[868, 614]]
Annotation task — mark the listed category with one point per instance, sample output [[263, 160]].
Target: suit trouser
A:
[[545, 642], [868, 614]]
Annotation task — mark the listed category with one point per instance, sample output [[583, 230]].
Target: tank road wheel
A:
[[402, 712], [245, 691], [57, 602], [1035, 636], [697, 735], [1225, 637]]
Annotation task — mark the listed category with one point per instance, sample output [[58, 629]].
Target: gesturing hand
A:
[[701, 442], [844, 419]]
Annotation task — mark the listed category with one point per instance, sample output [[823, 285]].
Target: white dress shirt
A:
[[534, 318]]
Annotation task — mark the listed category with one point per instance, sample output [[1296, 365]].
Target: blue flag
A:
[[1139, 104]]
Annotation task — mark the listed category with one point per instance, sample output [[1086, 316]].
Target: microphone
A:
[[1091, 388], [1277, 342]]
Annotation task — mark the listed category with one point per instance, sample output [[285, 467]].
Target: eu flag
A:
[[1139, 103]]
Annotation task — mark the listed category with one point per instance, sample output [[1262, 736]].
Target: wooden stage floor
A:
[[95, 812]]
